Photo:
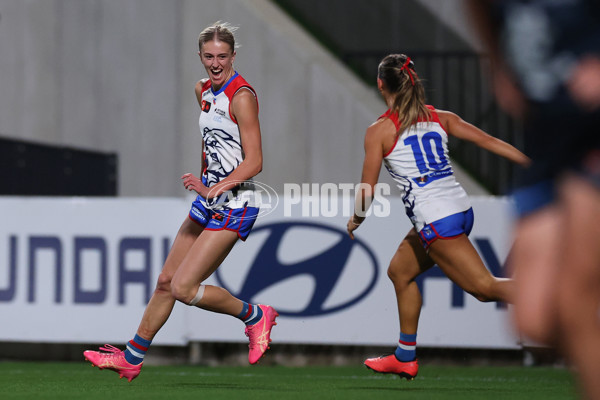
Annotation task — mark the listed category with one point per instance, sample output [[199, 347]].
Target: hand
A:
[[351, 226], [584, 84], [191, 182], [508, 94]]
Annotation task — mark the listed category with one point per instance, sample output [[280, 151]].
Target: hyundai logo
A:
[[341, 271]]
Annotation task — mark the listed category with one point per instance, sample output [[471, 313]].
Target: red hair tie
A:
[[407, 68]]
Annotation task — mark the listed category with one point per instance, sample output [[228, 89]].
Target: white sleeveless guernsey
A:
[[223, 150], [419, 164]]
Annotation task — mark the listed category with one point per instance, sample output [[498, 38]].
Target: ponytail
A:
[[397, 73]]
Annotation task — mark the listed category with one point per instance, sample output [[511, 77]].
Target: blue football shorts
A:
[[240, 220], [448, 227]]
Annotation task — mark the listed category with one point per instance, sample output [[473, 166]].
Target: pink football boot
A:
[[391, 365], [114, 360], [260, 333]]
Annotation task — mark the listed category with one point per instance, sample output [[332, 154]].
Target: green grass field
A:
[[29, 380]]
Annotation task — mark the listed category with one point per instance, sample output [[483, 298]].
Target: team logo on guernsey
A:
[[217, 141], [205, 105], [328, 273]]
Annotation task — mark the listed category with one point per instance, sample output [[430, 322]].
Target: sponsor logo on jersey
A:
[[218, 217], [205, 106]]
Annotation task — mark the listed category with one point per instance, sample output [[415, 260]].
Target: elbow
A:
[[252, 166], [257, 166]]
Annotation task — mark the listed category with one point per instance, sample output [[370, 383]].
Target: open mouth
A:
[[216, 73]]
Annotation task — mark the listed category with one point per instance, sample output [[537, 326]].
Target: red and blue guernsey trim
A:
[[230, 88]]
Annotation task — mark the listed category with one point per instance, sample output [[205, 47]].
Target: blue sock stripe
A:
[[251, 314], [136, 350], [408, 338], [407, 347], [245, 307], [140, 340]]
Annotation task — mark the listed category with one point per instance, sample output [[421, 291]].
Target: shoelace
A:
[[110, 348]]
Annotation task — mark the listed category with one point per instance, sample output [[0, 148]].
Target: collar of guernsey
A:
[[230, 88], [397, 123], [223, 150]]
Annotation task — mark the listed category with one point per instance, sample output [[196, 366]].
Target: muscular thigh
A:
[[184, 240], [206, 254], [459, 260], [410, 258]]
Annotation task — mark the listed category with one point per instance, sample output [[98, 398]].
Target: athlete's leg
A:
[[459, 260], [535, 261], [206, 254], [128, 363], [408, 262], [578, 290], [161, 304]]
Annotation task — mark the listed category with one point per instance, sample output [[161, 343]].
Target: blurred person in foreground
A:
[[546, 72], [411, 140], [223, 212]]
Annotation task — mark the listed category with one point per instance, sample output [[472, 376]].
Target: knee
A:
[[392, 273], [180, 292], [482, 297], [484, 292], [398, 275], [187, 294], [163, 285]]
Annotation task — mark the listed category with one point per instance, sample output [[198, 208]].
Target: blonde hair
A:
[[399, 78], [222, 31]]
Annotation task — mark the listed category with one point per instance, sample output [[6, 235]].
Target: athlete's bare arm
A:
[[456, 126], [375, 142]]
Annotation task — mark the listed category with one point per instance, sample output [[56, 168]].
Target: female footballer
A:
[[411, 139], [223, 212]]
